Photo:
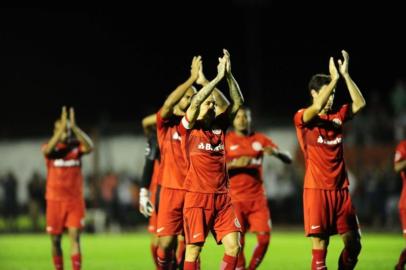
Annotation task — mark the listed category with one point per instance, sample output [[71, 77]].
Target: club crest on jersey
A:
[[176, 136], [209, 147], [257, 146]]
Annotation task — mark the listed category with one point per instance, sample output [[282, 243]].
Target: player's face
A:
[[57, 126], [242, 120], [207, 110], [184, 102]]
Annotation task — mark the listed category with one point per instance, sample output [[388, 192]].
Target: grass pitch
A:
[[288, 250]]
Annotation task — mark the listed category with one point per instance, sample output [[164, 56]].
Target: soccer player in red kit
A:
[[64, 188], [173, 168], [327, 205], [245, 150], [400, 167], [207, 204]]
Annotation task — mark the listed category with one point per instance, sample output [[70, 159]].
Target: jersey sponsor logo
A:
[[209, 147], [234, 147], [176, 136], [67, 163], [313, 227], [336, 141], [257, 146], [256, 161]]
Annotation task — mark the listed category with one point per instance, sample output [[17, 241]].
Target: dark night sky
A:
[[97, 59]]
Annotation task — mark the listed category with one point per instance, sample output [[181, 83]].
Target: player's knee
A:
[[166, 242], [232, 249], [192, 252]]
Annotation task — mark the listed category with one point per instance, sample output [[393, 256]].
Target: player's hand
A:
[[196, 66], [72, 117], [201, 79], [221, 67], [343, 65], [228, 62], [64, 118], [146, 206], [333, 70]]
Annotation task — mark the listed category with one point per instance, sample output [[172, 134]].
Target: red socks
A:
[[402, 260], [319, 259], [76, 261], [228, 263], [58, 262], [259, 251]]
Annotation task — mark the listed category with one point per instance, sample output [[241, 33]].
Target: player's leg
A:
[[317, 205], [319, 251], [57, 254], [352, 247], [169, 225], [241, 214], [402, 258], [76, 257], [348, 228], [231, 249], [180, 251], [227, 230], [54, 220], [192, 254], [259, 220]]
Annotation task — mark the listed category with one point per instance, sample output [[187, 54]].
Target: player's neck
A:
[[242, 133]]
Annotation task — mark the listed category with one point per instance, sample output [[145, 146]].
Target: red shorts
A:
[[328, 212], [152, 223], [402, 216], [208, 212], [170, 213], [64, 214], [253, 215]]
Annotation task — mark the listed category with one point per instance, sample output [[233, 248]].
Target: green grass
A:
[[288, 250]]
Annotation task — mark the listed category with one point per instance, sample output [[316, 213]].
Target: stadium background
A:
[[116, 65]]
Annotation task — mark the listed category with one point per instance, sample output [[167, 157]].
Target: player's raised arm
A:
[[59, 131], [358, 101], [237, 98], [84, 139], [177, 94], [148, 124], [194, 108], [222, 102], [321, 96]]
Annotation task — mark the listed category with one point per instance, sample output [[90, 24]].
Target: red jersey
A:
[[173, 165], [400, 155], [321, 141], [64, 177], [204, 152], [246, 183]]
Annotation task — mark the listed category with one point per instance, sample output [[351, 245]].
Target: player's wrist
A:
[[144, 192]]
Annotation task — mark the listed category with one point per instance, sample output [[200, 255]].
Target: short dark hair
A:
[[317, 81]]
